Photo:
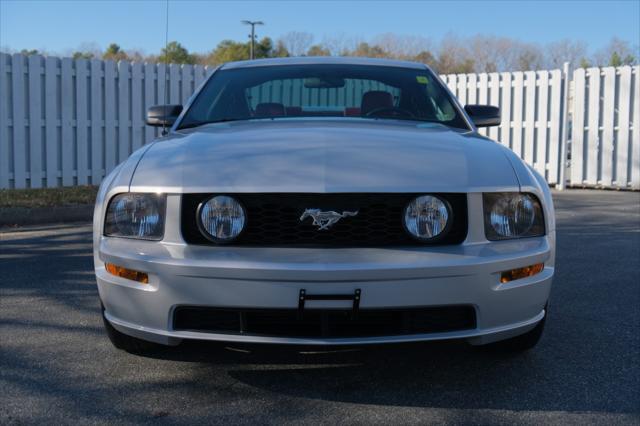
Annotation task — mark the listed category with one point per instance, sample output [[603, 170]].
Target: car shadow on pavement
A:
[[438, 374]]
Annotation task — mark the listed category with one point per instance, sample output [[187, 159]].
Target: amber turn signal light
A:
[[516, 274], [129, 274]]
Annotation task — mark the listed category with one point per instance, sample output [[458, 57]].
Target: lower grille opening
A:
[[325, 322]]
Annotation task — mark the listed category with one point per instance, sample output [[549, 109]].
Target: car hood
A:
[[310, 155]]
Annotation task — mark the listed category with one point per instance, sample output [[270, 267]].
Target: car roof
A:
[[319, 60]]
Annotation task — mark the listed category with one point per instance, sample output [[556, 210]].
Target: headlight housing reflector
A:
[[136, 215], [427, 218], [221, 219], [512, 215]]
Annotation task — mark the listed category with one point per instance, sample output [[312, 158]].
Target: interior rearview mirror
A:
[[483, 115], [324, 83]]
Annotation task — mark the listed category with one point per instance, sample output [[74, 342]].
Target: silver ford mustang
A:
[[323, 201]]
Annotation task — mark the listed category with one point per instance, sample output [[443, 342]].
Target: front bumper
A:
[[246, 277]]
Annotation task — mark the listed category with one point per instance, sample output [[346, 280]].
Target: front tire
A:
[[523, 342], [125, 342]]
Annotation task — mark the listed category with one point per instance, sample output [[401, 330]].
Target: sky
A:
[[62, 26]]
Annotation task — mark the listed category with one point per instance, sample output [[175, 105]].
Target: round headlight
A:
[[136, 215], [221, 219], [427, 217], [513, 215]]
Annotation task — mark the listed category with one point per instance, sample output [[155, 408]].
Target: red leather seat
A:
[[294, 110], [352, 112], [376, 99], [269, 109]]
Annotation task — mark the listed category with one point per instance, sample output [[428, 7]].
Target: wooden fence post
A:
[[565, 125]]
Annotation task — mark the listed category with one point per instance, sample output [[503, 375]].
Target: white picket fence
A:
[[531, 106], [605, 145], [69, 122]]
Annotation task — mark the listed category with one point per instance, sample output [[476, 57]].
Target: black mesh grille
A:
[[274, 220], [325, 322]]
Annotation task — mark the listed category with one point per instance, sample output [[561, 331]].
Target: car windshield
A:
[[368, 92]]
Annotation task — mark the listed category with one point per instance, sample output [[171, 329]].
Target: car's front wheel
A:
[[521, 343], [127, 343]]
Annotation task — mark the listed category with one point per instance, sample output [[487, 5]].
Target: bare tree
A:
[[317, 50], [296, 42], [340, 44], [402, 47], [85, 50], [530, 57], [425, 57], [136, 55], [559, 52], [454, 56], [367, 50], [617, 52], [489, 52]]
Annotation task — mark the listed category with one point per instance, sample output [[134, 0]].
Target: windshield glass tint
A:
[[369, 92]]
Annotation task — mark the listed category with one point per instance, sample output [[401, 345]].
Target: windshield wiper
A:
[[202, 123], [416, 119]]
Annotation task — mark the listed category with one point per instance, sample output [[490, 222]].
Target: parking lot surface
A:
[[57, 366]]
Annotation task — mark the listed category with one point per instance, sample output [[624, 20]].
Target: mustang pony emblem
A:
[[324, 220]]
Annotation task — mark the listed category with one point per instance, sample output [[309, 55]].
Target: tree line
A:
[[480, 53]]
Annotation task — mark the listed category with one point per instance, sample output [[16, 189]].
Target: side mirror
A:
[[163, 115], [483, 115]]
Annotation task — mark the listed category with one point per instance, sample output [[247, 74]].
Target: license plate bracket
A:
[[354, 297]]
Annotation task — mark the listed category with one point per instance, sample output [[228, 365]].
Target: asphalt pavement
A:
[[57, 366]]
